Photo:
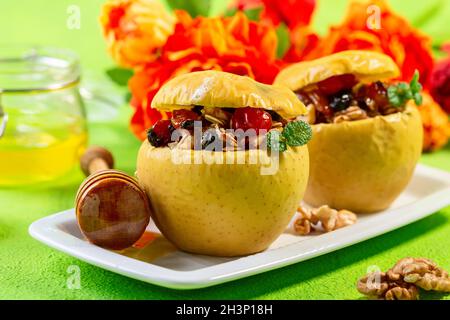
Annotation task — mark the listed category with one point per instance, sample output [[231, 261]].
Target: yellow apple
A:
[[222, 209], [363, 165]]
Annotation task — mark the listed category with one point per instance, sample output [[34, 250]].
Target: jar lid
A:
[[25, 69]]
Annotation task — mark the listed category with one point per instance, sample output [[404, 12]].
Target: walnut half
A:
[[422, 272], [329, 218], [377, 285], [401, 282]]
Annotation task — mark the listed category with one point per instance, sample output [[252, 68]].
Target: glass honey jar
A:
[[42, 116]]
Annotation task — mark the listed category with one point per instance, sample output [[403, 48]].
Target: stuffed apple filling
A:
[[342, 98], [227, 129]]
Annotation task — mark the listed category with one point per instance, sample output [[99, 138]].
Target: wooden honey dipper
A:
[[112, 209]]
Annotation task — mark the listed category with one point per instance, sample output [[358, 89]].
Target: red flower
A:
[[296, 15], [303, 42], [440, 81], [293, 13], [232, 44]]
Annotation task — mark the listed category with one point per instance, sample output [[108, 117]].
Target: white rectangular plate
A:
[[161, 264]]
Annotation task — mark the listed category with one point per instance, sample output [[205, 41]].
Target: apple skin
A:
[[222, 209], [364, 165]]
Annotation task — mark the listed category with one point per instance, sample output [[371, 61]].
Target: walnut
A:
[[350, 114], [378, 285], [402, 292], [330, 219], [422, 272], [302, 225], [373, 284], [401, 281], [217, 116], [345, 218]]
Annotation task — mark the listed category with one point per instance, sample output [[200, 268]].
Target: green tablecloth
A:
[[30, 270]]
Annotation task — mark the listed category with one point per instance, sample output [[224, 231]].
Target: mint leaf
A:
[[297, 133], [415, 84], [418, 99], [275, 141], [282, 32], [416, 88], [399, 94], [120, 76], [194, 7]]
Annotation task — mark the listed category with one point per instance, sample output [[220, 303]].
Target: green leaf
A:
[[275, 141], [128, 97], [194, 7], [297, 133], [415, 84], [120, 76], [399, 94], [282, 32], [253, 14], [418, 99], [230, 12], [416, 88]]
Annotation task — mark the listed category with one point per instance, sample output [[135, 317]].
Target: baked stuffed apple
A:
[[367, 137], [224, 201]]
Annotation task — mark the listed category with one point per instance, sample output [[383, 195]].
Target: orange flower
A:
[[135, 30], [395, 37], [436, 125], [232, 44]]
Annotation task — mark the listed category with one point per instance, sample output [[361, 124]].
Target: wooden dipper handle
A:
[[96, 159]]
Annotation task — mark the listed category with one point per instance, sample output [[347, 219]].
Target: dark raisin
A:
[[341, 101], [188, 125], [208, 137], [197, 110], [275, 116]]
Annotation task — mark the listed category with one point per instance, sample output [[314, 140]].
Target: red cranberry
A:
[[335, 84], [378, 93], [251, 118], [160, 134]]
